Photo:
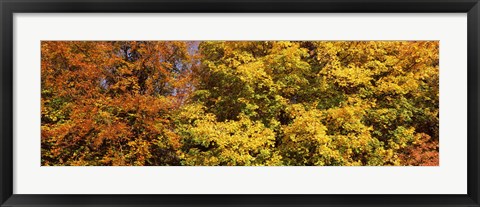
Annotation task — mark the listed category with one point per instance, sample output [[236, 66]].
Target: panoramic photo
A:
[[240, 103]]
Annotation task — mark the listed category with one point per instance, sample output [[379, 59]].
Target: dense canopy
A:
[[240, 103]]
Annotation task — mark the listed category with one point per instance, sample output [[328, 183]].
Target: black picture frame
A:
[[9, 7]]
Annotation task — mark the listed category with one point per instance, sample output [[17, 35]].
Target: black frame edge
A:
[[473, 21], [9, 7], [242, 6], [6, 101], [241, 200]]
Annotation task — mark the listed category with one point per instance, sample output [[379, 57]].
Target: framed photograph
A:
[[239, 103]]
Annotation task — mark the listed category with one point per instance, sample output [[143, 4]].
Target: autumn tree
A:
[[108, 103], [367, 103]]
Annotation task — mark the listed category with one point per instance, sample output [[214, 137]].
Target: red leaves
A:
[[424, 153]]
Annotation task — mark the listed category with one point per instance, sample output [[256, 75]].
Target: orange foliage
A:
[[108, 103]]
